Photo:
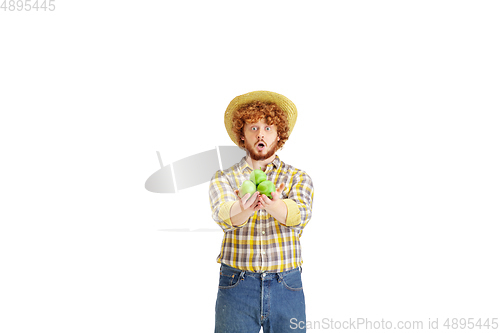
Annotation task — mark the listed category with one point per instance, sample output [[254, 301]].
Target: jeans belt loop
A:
[[242, 275]]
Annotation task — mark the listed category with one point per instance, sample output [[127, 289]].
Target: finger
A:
[[250, 200], [245, 198], [265, 199], [280, 188]]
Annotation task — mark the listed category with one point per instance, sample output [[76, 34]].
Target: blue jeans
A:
[[246, 301]]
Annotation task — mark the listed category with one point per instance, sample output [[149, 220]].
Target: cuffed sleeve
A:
[[222, 198], [224, 212], [299, 201], [293, 213]]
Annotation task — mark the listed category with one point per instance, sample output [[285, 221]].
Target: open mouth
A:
[[261, 146]]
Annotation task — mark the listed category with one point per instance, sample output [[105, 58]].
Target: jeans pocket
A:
[[293, 281], [228, 280]]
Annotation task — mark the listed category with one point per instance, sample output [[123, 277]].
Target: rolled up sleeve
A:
[[299, 201], [222, 198]]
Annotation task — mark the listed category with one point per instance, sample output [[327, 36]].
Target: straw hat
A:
[[283, 103]]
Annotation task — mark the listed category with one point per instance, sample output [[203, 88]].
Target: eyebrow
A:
[[256, 124]]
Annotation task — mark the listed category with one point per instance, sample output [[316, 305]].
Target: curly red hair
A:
[[255, 111]]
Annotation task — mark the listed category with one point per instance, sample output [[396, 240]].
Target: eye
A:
[[254, 128], [268, 128]]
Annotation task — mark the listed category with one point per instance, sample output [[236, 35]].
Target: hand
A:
[[265, 203], [248, 201]]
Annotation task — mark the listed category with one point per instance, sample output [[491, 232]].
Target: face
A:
[[261, 140]]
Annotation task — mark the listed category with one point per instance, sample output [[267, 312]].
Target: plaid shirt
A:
[[262, 244]]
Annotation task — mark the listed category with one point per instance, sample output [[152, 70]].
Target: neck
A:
[[259, 164]]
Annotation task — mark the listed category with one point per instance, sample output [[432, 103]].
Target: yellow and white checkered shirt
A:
[[262, 244]]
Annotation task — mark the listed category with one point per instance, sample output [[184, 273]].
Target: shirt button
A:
[[263, 252], [263, 232]]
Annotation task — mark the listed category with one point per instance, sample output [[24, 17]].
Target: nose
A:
[[260, 135]]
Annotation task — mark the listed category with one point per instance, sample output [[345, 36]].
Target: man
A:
[[260, 276]]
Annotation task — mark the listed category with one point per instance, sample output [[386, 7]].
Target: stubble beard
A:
[[259, 157]]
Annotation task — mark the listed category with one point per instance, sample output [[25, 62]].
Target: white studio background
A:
[[398, 124]]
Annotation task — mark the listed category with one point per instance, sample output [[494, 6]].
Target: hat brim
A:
[[281, 101]]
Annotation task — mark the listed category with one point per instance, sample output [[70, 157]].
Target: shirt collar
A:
[[244, 164], [276, 162]]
